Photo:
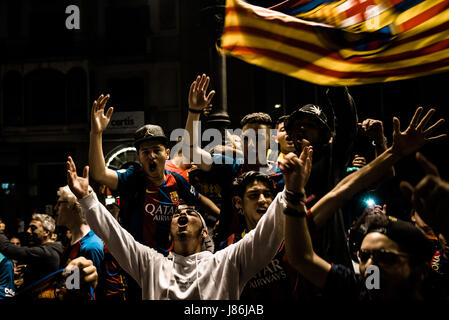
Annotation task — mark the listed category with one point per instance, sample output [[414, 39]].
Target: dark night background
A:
[[145, 53]]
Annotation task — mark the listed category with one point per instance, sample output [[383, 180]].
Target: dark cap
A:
[[309, 110], [149, 132]]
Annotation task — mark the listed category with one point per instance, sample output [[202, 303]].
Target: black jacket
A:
[[40, 260]]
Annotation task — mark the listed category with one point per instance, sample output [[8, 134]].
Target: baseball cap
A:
[[149, 132]]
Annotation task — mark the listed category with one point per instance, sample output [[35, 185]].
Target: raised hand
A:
[[98, 119], [416, 135], [198, 100], [296, 170], [78, 185], [373, 129]]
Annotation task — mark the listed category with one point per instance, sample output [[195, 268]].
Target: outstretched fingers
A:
[[415, 119], [396, 125], [109, 113], [71, 164], [86, 172], [304, 153], [71, 171], [426, 119], [210, 96], [205, 83], [100, 103], [434, 126], [437, 138]]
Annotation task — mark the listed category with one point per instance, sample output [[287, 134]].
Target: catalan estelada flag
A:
[[336, 43]]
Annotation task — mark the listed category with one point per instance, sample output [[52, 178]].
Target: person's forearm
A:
[[191, 142], [24, 254], [298, 242], [97, 165], [191, 139], [96, 158], [380, 147], [5, 245], [352, 184], [300, 253]]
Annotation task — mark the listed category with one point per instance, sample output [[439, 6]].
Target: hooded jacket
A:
[[204, 275]]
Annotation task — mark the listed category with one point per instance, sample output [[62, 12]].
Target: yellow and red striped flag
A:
[[345, 42]]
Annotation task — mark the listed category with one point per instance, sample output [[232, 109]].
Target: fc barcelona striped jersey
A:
[[147, 209]]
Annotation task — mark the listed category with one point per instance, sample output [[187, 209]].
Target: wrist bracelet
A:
[[294, 212], [195, 111], [294, 197]]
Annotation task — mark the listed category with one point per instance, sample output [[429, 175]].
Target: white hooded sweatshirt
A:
[[204, 275]]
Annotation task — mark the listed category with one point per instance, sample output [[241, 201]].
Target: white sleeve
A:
[[129, 253], [255, 251]]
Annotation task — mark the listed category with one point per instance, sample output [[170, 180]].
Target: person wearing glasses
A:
[[395, 248]]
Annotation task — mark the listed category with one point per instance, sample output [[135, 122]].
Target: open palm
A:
[[198, 100], [100, 119], [416, 135], [78, 185]]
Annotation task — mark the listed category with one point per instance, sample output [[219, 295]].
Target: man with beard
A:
[[42, 255]]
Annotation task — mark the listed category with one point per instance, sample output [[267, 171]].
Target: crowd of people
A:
[[270, 212]]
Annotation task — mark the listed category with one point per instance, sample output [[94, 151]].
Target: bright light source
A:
[[370, 202]]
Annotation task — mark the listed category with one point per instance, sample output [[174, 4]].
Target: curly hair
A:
[[48, 223]]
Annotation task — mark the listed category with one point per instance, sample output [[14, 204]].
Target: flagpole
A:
[[224, 86]]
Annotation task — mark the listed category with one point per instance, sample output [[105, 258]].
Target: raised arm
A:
[[298, 244], [23, 254], [198, 100], [128, 252], [99, 122], [413, 138]]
